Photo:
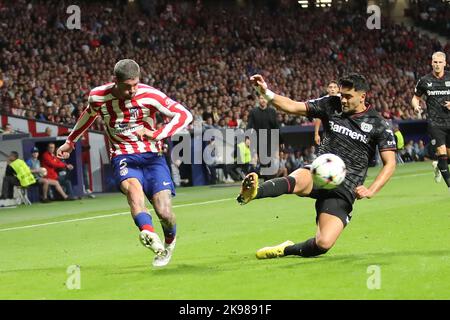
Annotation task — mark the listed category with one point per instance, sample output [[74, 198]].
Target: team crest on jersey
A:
[[366, 127], [134, 113], [123, 171], [447, 83]]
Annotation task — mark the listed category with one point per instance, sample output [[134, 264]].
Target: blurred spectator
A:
[[47, 72], [263, 119], [408, 154], [50, 162], [17, 174], [210, 160], [244, 157], [282, 169], [309, 155], [296, 160], [7, 129], [40, 174], [420, 150], [400, 141]]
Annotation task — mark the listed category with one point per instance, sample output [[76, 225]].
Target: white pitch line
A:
[[177, 206], [108, 215]]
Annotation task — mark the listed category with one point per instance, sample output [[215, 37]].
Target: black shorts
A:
[[440, 135], [335, 202]]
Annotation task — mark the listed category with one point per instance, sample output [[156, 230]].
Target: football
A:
[[328, 171]]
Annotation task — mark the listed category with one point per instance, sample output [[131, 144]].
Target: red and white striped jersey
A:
[[124, 118]]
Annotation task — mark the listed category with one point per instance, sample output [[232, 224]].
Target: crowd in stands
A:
[[433, 15], [201, 56]]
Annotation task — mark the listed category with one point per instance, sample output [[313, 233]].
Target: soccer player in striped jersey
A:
[[128, 109]]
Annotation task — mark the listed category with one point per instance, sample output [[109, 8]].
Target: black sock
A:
[[276, 187], [443, 168], [309, 248]]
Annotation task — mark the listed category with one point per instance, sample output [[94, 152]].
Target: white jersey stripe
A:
[[124, 118]]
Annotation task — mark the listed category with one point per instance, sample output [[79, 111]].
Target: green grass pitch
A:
[[404, 230]]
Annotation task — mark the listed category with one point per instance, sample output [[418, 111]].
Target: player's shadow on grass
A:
[[211, 265], [384, 258], [171, 269]]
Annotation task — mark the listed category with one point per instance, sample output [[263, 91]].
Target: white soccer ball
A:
[[328, 171]]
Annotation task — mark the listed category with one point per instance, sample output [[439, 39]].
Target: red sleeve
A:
[[86, 118], [179, 116]]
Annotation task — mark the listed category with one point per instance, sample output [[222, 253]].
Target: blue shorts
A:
[[149, 168]]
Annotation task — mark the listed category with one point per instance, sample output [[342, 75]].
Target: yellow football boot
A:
[[273, 252], [249, 189]]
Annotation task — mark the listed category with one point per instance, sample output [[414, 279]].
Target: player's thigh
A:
[[127, 172], [303, 181], [132, 185], [447, 141], [332, 216], [157, 177], [329, 228]]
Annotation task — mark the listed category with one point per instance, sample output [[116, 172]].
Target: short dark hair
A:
[[333, 81], [15, 154], [126, 69], [354, 81]]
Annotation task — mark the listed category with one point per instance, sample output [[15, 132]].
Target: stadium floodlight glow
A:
[[303, 3]]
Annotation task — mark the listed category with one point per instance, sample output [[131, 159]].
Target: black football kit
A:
[[436, 91], [355, 139]]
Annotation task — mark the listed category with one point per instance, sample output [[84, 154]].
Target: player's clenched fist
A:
[[145, 133], [64, 151], [259, 83], [447, 104], [362, 192]]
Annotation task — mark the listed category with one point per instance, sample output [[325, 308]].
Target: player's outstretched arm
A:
[[180, 119], [389, 163], [281, 103], [83, 123], [415, 102]]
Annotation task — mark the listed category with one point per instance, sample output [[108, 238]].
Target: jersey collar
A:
[[359, 114], [439, 78]]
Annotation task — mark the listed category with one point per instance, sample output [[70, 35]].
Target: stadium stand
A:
[[202, 56]]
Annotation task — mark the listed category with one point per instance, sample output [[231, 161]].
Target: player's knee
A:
[[325, 243], [131, 186], [164, 211]]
